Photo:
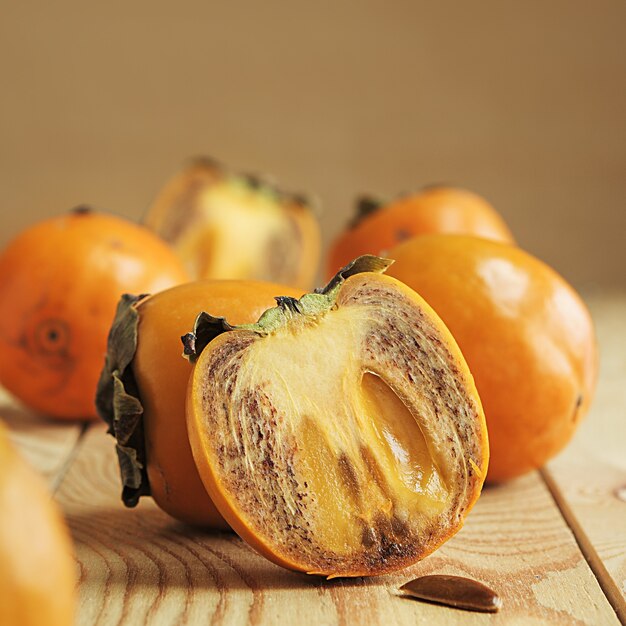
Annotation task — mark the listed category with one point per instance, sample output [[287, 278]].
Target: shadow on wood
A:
[[117, 547]]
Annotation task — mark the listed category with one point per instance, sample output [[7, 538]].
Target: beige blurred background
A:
[[523, 102]]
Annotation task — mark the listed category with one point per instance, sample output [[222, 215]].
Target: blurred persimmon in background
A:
[[237, 226], [377, 226], [60, 281], [527, 336], [37, 576]]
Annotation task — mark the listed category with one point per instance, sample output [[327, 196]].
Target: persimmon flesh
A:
[[342, 434]]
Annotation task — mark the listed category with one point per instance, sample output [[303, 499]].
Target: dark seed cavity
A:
[[454, 591]]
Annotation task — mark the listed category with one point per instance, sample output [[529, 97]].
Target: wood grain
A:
[[47, 445], [523, 539], [139, 566], [588, 476]]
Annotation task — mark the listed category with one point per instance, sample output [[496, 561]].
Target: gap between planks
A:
[[605, 580]]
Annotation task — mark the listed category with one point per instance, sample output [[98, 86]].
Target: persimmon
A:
[[60, 281], [37, 574], [146, 375], [342, 434], [526, 334], [236, 226], [379, 226]]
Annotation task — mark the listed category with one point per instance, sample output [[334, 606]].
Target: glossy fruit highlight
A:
[[527, 336], [146, 374], [342, 434], [377, 227], [37, 576], [234, 226]]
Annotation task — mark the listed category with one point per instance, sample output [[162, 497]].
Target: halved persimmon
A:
[[236, 226], [37, 575], [526, 334], [379, 226], [60, 281], [142, 390], [342, 434]]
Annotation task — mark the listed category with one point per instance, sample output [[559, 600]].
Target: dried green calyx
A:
[[207, 327], [118, 402]]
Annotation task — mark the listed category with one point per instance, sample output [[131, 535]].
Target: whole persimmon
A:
[[379, 226], [60, 281], [37, 574], [526, 334], [227, 225], [146, 374], [342, 434]]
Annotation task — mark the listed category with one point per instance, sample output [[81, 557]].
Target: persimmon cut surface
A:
[[146, 378], [342, 434], [231, 226], [37, 577]]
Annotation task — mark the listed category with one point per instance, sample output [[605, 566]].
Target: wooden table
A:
[[553, 544]]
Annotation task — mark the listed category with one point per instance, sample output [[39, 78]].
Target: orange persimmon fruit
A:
[[377, 227], [342, 434], [526, 334], [236, 226], [60, 281], [147, 377], [37, 573]]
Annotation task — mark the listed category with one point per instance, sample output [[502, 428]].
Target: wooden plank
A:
[[589, 476], [47, 445], [139, 566]]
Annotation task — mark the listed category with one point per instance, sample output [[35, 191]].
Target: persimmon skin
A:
[[527, 336], [60, 281], [162, 376], [432, 210], [37, 574]]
